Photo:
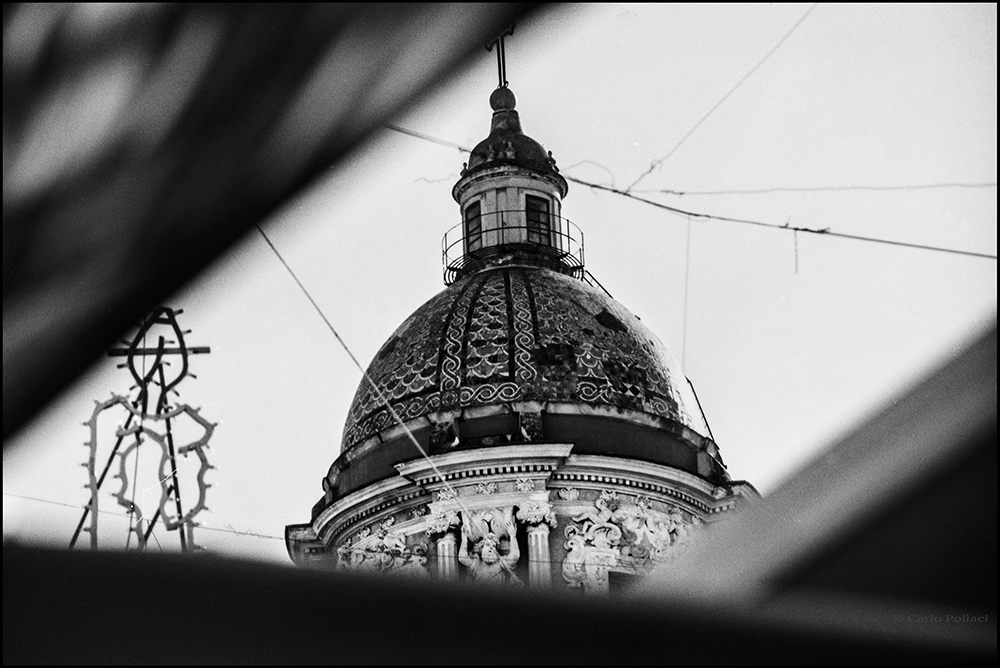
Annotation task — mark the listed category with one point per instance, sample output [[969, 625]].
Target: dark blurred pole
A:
[[142, 141]]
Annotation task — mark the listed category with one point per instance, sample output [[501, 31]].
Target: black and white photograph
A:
[[500, 333]]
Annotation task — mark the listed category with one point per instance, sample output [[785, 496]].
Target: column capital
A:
[[440, 524], [536, 513]]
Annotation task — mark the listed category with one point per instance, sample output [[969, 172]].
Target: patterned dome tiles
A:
[[519, 334]]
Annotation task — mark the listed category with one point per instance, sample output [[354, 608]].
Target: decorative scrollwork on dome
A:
[[520, 334]]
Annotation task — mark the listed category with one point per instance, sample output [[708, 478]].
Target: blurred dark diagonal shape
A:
[[141, 141]]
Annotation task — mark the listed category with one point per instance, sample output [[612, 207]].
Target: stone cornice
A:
[[354, 507], [509, 475], [527, 460], [599, 471], [489, 174]]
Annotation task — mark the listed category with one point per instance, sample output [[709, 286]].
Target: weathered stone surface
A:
[[520, 334]]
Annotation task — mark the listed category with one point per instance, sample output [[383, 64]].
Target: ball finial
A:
[[502, 98]]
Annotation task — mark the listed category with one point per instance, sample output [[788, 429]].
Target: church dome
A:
[[513, 340], [519, 402]]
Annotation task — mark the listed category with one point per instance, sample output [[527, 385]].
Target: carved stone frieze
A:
[[587, 566], [486, 488], [388, 553], [622, 537]]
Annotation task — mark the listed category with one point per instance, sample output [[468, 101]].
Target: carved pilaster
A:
[[439, 528], [539, 569], [447, 556], [538, 515]]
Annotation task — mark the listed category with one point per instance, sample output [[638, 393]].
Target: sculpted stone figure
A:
[[597, 526], [574, 568], [606, 504], [625, 538], [388, 554], [484, 562]]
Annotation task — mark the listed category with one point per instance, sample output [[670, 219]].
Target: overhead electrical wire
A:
[[383, 400], [657, 163], [200, 526], [60, 503], [826, 231], [708, 216], [819, 189]]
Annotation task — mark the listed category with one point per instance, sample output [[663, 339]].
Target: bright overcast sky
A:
[[789, 339]]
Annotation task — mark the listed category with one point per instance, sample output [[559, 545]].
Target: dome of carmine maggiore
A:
[[521, 428]]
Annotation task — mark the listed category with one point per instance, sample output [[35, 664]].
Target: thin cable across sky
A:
[[826, 231], [383, 400], [656, 163], [820, 189], [708, 216]]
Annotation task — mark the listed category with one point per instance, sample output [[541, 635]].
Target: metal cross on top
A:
[[155, 374], [153, 423], [501, 55]]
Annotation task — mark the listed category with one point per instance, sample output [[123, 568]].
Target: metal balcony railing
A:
[[559, 241]]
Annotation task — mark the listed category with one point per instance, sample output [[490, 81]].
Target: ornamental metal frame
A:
[[150, 422]]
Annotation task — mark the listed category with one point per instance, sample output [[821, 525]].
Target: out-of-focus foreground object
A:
[[881, 551], [888, 534], [141, 140]]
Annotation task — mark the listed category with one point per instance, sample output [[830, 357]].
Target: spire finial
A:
[[501, 55]]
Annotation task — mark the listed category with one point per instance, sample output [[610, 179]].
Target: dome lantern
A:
[[510, 196]]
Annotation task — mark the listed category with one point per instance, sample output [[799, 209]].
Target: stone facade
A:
[[533, 515]]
